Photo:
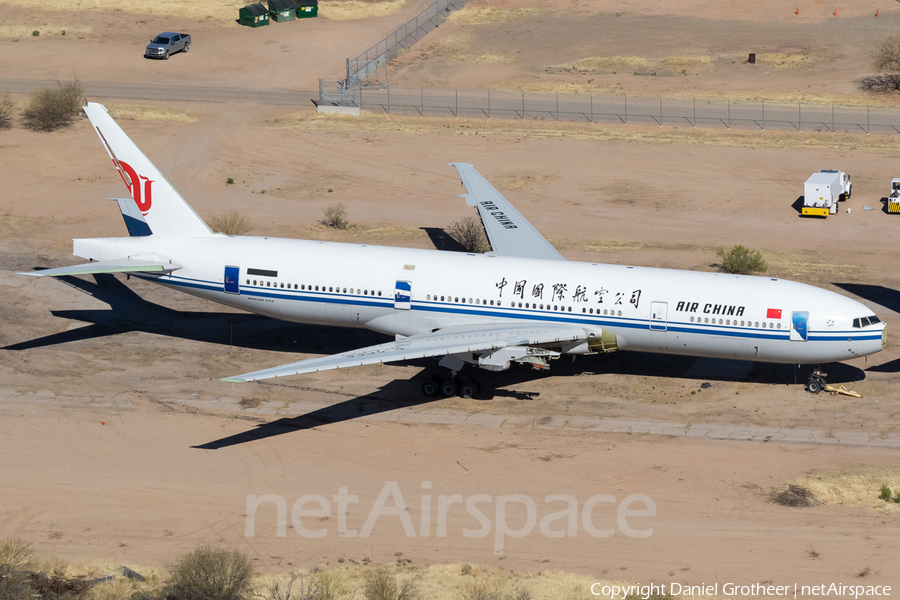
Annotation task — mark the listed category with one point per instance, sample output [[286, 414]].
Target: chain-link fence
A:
[[595, 108], [374, 59]]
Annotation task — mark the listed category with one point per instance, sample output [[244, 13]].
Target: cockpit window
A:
[[866, 321]]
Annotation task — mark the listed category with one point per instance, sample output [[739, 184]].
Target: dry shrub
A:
[[383, 585], [335, 216], [231, 223], [55, 107], [295, 587], [211, 573], [794, 495], [742, 261], [16, 553], [7, 109], [886, 56], [469, 233]]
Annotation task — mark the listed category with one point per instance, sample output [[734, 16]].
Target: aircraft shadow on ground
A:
[[399, 394], [129, 312]]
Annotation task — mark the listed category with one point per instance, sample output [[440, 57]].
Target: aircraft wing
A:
[[450, 340], [509, 233], [122, 265]]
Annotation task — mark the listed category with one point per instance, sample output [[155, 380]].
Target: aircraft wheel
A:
[[449, 388], [431, 387], [814, 386], [468, 388]]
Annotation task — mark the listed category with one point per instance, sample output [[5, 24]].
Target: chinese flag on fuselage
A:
[[773, 313]]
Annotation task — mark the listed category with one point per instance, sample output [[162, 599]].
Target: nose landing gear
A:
[[816, 381]]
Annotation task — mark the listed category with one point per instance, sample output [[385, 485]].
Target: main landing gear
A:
[[816, 381], [449, 386]]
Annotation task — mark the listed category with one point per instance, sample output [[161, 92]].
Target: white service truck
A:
[[894, 197], [822, 192]]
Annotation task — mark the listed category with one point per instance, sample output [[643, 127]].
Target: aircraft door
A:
[[232, 280], [658, 316], [799, 326], [403, 295]]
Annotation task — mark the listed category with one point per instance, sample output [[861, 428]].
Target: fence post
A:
[[389, 100], [321, 94], [523, 105], [557, 107], [422, 91], [660, 111], [868, 129], [832, 117], [489, 103], [592, 108], [348, 73], [626, 109], [799, 116], [764, 115], [729, 113], [695, 113]]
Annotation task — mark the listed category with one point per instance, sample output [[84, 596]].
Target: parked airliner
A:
[[520, 303]]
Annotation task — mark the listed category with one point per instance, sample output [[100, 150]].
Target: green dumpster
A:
[[253, 15], [282, 10], [307, 8]]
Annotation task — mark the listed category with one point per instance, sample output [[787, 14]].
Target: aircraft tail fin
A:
[[164, 211]]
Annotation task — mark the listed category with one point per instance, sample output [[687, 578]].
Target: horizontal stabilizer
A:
[[450, 340], [122, 265]]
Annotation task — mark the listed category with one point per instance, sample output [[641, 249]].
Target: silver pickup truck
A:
[[167, 43]]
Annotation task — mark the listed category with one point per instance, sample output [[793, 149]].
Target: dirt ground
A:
[[120, 441]]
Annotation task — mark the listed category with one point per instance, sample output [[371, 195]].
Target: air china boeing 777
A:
[[520, 303]]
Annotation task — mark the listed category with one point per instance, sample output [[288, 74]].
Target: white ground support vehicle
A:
[[894, 197], [822, 192]]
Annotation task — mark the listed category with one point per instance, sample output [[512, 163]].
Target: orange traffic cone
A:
[[835, 12], [798, 10]]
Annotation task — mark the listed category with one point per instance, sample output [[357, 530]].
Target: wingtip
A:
[[233, 379]]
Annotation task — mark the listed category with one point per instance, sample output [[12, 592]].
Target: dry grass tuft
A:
[[788, 61], [685, 62], [476, 13], [348, 10], [223, 12], [150, 113], [518, 181], [876, 144], [853, 485], [19, 31], [454, 47], [607, 63]]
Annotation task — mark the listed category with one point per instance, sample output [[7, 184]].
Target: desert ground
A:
[[120, 441]]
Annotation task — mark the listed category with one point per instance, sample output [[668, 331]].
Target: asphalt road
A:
[[100, 90]]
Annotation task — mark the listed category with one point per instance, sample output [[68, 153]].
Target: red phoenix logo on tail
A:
[[141, 197]]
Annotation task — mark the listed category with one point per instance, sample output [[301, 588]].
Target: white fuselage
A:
[[651, 310]]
